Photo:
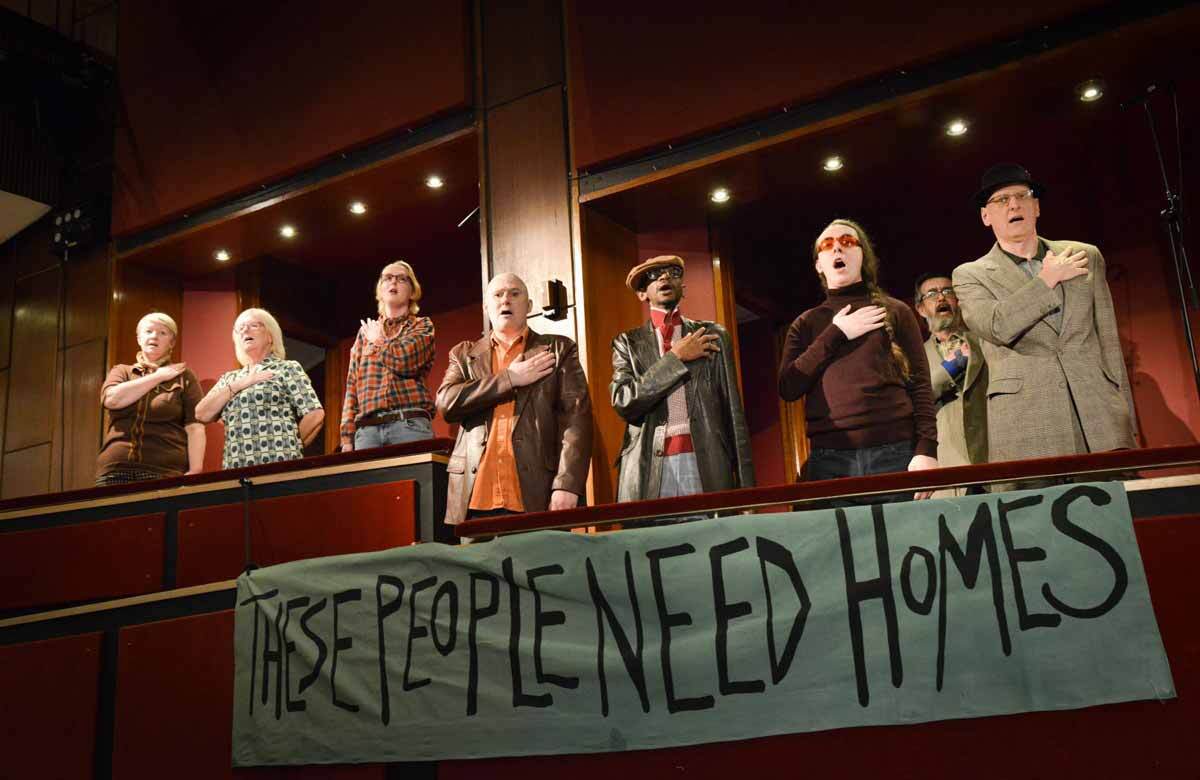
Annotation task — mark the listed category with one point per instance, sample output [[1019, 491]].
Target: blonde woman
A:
[[268, 406], [152, 430], [858, 360], [387, 401]]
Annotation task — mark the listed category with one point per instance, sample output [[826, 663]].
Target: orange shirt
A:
[[496, 484]]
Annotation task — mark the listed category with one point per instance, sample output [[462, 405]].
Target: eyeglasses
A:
[[844, 241], [654, 274], [938, 292], [1015, 197], [386, 278], [242, 327]]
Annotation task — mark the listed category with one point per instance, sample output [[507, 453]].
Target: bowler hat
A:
[[1003, 175], [634, 279]]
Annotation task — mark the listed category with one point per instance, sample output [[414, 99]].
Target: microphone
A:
[[1146, 94]]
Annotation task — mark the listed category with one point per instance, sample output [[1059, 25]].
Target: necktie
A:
[[666, 322]]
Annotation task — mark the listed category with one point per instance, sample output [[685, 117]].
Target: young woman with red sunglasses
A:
[[858, 362]]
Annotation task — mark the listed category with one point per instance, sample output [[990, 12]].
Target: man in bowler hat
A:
[[675, 385], [1057, 383]]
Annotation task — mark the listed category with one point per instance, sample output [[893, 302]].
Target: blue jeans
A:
[[862, 462], [398, 432]]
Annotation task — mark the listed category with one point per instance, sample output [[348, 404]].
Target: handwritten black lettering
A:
[[779, 556], [667, 621], [541, 620], [382, 612], [341, 644], [415, 632], [726, 612], [1059, 516], [631, 658], [477, 614]]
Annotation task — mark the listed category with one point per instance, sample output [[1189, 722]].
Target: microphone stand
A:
[[1173, 219]]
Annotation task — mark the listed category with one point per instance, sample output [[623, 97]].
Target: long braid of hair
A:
[[899, 359]]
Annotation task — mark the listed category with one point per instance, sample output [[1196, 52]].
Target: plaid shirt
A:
[[391, 376]]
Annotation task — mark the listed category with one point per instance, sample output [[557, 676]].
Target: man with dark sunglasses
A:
[[1057, 383], [958, 373], [675, 385]]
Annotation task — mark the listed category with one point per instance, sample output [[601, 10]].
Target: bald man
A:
[[521, 401]]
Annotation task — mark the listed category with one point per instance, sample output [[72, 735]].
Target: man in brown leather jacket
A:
[[675, 385], [521, 401]]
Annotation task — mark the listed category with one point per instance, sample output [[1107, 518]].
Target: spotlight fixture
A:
[[287, 231], [222, 256], [832, 164], [78, 226], [957, 127], [1090, 91], [719, 195], [434, 182], [358, 207]]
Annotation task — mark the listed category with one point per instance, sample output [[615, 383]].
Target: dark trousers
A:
[[834, 464]]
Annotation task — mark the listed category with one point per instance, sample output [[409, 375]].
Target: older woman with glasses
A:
[[858, 361], [387, 401], [152, 429], [268, 406]]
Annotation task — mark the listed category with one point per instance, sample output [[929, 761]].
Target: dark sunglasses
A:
[[654, 274]]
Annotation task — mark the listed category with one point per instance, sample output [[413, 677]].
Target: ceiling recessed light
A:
[[1090, 91], [957, 127], [358, 207], [832, 164], [287, 231], [719, 195], [222, 256], [434, 182]]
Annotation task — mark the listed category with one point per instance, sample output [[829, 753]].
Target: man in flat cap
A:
[[675, 385], [1057, 383], [521, 401]]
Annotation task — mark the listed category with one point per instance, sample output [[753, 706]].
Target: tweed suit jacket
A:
[[1037, 372], [552, 435]]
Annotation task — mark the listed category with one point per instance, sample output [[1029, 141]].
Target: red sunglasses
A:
[[845, 241]]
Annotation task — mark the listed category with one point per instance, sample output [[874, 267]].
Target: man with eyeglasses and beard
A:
[[1043, 311], [958, 374], [675, 385]]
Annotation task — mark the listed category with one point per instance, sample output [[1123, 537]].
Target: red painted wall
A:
[[645, 74], [218, 97], [206, 346], [761, 400]]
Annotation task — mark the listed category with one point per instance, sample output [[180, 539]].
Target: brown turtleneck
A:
[[852, 396]]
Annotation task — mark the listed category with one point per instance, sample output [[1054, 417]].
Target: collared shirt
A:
[[497, 485], [389, 376], [678, 421], [262, 421], [1032, 267], [150, 433]]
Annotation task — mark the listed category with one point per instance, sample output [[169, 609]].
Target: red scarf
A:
[[665, 322]]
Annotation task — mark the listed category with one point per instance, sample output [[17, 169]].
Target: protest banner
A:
[[724, 629]]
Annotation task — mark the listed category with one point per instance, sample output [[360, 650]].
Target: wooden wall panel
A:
[[69, 563], [3, 405], [51, 694], [524, 50], [87, 296], [6, 301], [529, 213], [26, 472], [35, 334], [288, 528], [138, 292], [609, 251], [325, 77], [32, 248], [84, 372]]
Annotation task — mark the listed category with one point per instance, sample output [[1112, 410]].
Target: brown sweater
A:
[[852, 398], [149, 433]]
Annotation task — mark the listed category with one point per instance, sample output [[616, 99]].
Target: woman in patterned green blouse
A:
[[268, 406]]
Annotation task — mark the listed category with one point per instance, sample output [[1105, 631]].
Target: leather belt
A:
[[383, 418]]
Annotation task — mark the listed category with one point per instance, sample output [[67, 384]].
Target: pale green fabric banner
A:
[[716, 630]]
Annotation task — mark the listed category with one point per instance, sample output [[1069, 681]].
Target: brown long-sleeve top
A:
[[852, 396]]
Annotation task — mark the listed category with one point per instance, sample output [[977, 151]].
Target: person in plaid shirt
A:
[[386, 400]]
